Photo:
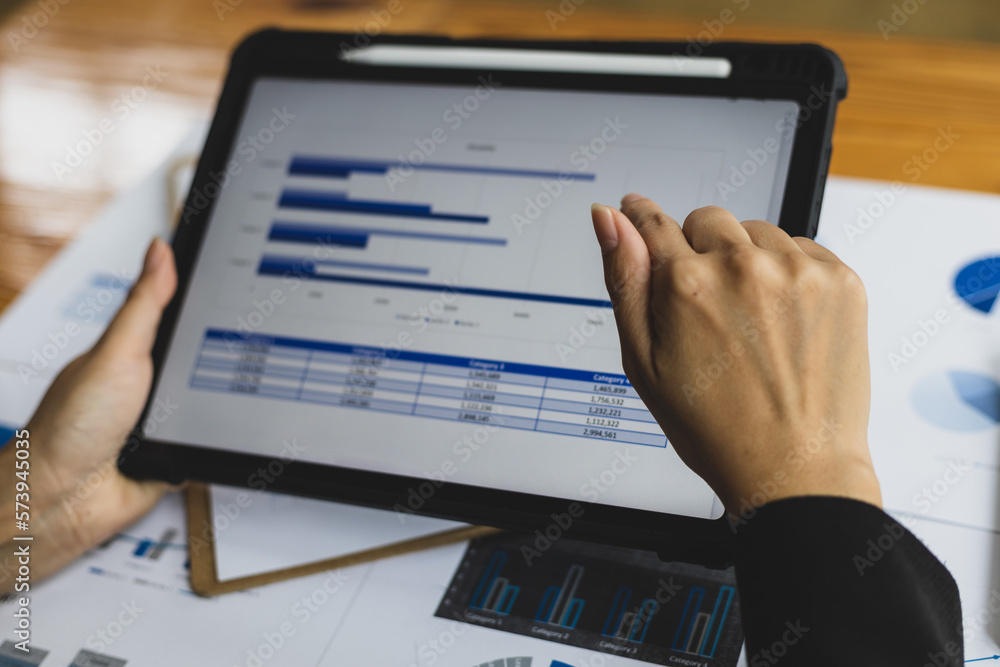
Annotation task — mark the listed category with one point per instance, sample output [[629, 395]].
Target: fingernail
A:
[[154, 256], [604, 227], [630, 197]]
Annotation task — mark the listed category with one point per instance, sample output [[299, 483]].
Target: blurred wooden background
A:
[[910, 76]]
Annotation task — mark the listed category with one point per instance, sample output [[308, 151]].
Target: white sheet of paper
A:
[[919, 331], [132, 606], [258, 531], [68, 306]]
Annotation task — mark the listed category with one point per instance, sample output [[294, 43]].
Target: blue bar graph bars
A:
[[630, 625], [153, 549], [494, 593], [559, 607], [306, 269], [339, 202], [357, 237], [600, 598], [310, 266], [312, 234], [698, 632], [342, 168]]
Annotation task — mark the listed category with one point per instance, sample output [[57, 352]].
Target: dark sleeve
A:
[[833, 581]]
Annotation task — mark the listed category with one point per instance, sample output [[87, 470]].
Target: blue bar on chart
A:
[[315, 235], [149, 548], [339, 202], [597, 597], [307, 269], [559, 607], [698, 632], [545, 399], [142, 548], [311, 266], [342, 168], [358, 237], [629, 624], [495, 593]]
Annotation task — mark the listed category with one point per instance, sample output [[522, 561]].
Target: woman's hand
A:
[[749, 347], [78, 496]]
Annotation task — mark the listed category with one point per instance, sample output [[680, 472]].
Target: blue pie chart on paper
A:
[[958, 400], [979, 283], [6, 433]]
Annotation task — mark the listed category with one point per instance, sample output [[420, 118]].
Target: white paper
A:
[[257, 531], [120, 602], [908, 258], [67, 307]]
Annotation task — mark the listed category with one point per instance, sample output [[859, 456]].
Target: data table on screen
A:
[[561, 401]]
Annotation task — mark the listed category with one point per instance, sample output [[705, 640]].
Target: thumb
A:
[[133, 330], [627, 277]]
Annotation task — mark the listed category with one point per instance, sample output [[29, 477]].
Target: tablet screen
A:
[[403, 279]]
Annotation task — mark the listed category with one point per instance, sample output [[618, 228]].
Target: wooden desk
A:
[[70, 76]]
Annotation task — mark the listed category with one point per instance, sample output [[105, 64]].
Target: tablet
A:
[[390, 293]]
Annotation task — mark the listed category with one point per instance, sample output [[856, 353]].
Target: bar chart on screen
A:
[[514, 229], [617, 601], [375, 223]]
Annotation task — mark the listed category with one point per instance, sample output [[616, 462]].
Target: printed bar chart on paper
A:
[[618, 601]]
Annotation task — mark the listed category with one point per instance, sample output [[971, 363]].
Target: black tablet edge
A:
[[674, 537]]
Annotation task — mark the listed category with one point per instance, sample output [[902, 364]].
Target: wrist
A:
[[48, 483], [844, 476]]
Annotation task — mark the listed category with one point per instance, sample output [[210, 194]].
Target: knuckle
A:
[[850, 282], [706, 213], [688, 275], [749, 262], [650, 218]]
